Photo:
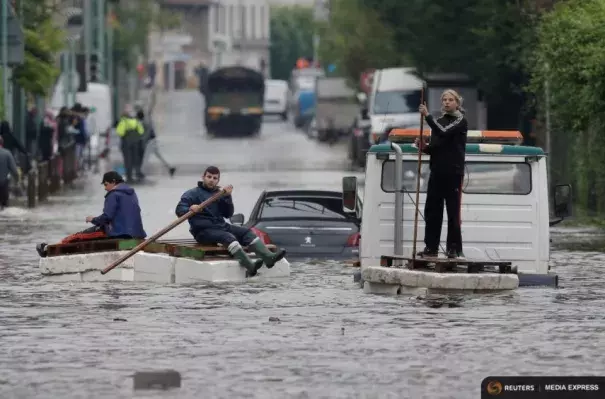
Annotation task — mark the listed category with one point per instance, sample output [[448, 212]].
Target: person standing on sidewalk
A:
[[8, 166], [151, 144]]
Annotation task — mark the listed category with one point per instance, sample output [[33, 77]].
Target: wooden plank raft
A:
[[447, 265], [180, 248]]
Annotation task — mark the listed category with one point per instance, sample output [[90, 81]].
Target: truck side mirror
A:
[[562, 200], [237, 219], [349, 194]]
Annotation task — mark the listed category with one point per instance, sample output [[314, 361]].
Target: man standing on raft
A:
[[447, 149], [209, 226]]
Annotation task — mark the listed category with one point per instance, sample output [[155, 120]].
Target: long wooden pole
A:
[[162, 232], [420, 145]]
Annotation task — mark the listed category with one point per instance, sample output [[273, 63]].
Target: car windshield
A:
[[302, 207], [396, 102]]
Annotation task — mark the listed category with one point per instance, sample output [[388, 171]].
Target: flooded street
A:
[[85, 340]]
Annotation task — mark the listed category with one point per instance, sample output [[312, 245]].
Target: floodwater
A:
[[85, 340]]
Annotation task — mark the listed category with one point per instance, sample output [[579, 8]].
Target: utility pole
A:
[[87, 37], [548, 127], [110, 61], [321, 13], [4, 21], [101, 39]]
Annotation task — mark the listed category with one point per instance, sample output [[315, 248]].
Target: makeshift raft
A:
[[171, 261], [426, 275]]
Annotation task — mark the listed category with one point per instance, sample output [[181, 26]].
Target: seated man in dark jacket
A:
[[121, 217], [209, 226]]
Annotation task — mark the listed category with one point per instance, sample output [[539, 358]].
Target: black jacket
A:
[[448, 144], [212, 216]]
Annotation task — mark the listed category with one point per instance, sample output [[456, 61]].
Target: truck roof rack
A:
[[510, 137]]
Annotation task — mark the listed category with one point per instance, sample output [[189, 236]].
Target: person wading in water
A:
[[150, 144], [447, 149], [131, 130], [8, 167]]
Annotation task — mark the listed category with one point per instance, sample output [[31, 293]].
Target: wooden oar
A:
[[162, 232], [420, 145]]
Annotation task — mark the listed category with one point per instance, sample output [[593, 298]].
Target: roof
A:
[[475, 149], [185, 2], [302, 193]]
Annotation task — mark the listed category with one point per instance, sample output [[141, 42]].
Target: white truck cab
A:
[[394, 100], [505, 203]]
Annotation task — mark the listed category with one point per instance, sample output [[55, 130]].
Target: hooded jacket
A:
[[211, 217], [121, 213], [448, 143]]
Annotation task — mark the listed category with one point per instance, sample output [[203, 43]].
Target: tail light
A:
[[262, 235], [357, 132], [353, 240], [107, 137]]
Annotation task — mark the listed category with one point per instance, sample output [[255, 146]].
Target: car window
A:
[[302, 207]]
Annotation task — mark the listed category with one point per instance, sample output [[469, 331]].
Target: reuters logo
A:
[[494, 388]]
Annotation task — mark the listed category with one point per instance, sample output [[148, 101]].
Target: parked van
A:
[[394, 100], [276, 98], [505, 203]]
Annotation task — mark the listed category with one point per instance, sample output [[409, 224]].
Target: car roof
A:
[[303, 193]]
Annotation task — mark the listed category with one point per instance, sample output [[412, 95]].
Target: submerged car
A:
[[307, 223]]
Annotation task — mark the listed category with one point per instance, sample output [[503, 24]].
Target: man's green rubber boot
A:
[[244, 260], [268, 257]]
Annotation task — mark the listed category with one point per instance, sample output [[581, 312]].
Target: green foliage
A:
[[135, 20], [355, 39], [291, 37], [569, 57], [486, 39], [43, 40]]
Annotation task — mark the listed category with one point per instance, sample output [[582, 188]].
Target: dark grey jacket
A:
[[7, 166]]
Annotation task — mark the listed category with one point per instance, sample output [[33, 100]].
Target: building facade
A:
[[221, 33]]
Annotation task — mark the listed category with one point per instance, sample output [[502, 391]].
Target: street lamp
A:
[[74, 27]]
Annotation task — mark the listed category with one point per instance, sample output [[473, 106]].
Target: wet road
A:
[[332, 341]]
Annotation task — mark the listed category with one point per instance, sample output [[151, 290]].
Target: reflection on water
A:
[[314, 335]]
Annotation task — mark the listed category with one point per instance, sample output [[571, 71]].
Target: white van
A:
[[505, 203], [97, 97], [276, 98], [394, 100]]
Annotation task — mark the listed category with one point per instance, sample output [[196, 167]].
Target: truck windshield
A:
[[396, 102], [500, 178]]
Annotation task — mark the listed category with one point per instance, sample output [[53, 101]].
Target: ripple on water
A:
[[329, 339]]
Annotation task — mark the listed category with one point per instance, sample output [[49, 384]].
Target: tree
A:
[[292, 30], [355, 40], [570, 59], [43, 40], [135, 20], [485, 39]]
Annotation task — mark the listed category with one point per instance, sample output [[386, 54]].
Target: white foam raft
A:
[[150, 267], [394, 281]]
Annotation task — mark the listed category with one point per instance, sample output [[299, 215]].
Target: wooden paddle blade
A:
[[160, 233]]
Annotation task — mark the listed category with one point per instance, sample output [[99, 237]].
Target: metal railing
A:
[[47, 177]]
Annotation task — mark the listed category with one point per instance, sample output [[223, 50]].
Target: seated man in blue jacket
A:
[[209, 226], [121, 217]]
